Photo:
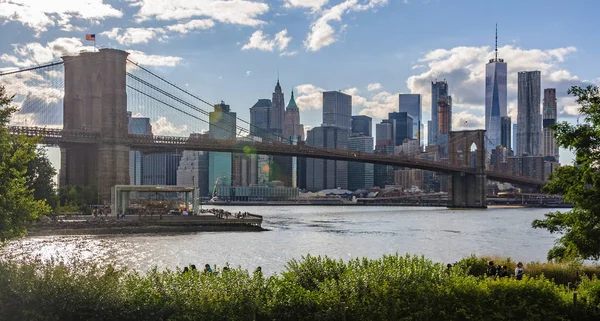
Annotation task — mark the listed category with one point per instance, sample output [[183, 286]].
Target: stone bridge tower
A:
[[96, 101], [467, 148]]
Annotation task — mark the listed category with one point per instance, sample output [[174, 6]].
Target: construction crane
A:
[[215, 187]]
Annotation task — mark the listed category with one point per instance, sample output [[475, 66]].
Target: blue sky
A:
[[372, 49]]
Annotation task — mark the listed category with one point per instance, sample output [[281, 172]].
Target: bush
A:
[[393, 287]]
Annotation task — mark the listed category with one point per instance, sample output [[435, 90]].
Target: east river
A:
[[341, 232]]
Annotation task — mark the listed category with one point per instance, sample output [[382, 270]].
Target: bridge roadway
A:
[[148, 143]]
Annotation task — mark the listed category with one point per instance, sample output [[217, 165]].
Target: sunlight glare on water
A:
[[340, 232]]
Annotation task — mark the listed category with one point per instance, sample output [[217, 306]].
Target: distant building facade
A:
[[439, 91], [362, 125], [411, 103], [403, 126], [550, 148], [360, 175], [337, 110], [505, 132], [529, 117], [495, 100], [327, 174], [222, 126]]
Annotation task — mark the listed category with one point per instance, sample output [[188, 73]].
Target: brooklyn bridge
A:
[[81, 105]]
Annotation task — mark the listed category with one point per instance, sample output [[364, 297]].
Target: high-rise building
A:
[[138, 126], [327, 174], [384, 144], [529, 117], [261, 118], [360, 175], [444, 123], [362, 125], [278, 112], [411, 103], [549, 146], [222, 126], [193, 170], [293, 127], [439, 90], [403, 126], [505, 132], [384, 133], [514, 139], [160, 169], [337, 110], [495, 98]]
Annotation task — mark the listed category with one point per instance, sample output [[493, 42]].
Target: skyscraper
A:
[[278, 112], [261, 118], [327, 174], [411, 103], [495, 98], [439, 90], [505, 132], [222, 126], [384, 144], [337, 110], [360, 175], [550, 148], [293, 128], [403, 126], [362, 125], [138, 126], [529, 117], [514, 138]]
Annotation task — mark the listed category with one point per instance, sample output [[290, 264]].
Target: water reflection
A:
[[340, 232]]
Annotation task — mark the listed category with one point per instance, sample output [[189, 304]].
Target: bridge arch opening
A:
[[473, 155]]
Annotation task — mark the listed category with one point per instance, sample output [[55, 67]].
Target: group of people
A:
[[494, 271], [209, 270], [99, 211]]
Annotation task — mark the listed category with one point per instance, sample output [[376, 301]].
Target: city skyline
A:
[[246, 48]]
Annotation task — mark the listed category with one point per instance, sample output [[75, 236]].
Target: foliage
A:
[[579, 183], [79, 196], [40, 178], [18, 207], [560, 273], [393, 287]]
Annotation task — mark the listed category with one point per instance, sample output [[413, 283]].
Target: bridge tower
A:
[[96, 101], [467, 148]]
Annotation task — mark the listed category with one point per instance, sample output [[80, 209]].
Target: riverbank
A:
[[134, 224]]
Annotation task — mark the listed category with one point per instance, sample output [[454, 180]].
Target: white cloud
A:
[[312, 4], [464, 69], [260, 41], [322, 34], [164, 127], [288, 53], [132, 36], [374, 86], [31, 54], [472, 121], [154, 60], [240, 12], [309, 97], [197, 24], [40, 14], [417, 67], [248, 73]]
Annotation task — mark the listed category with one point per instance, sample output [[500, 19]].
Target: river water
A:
[[341, 232]]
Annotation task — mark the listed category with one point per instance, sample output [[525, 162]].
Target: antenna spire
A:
[[496, 41]]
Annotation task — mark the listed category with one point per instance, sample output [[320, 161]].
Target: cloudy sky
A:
[[372, 49]]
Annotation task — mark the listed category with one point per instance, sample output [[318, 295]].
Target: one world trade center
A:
[[495, 99]]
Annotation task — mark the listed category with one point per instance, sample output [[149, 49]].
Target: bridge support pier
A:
[[96, 101], [468, 190]]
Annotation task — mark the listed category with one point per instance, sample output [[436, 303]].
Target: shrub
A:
[[392, 287]]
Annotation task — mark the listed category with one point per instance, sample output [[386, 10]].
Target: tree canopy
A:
[[578, 183], [18, 207]]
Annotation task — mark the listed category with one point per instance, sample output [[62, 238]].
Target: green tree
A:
[[18, 207], [40, 178], [579, 183]]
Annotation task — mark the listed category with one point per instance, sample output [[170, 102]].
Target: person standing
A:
[[491, 270], [519, 272]]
